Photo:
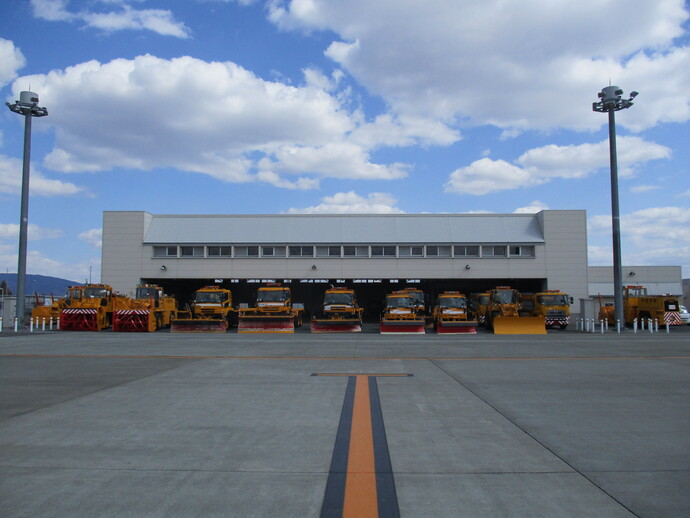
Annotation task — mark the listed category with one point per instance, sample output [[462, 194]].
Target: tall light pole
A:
[[27, 105], [611, 100]]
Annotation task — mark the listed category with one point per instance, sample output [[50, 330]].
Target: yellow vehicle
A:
[[400, 315], [503, 314], [149, 310], [93, 311], [273, 312], [420, 305], [339, 312], [480, 303], [451, 314], [211, 312], [44, 311], [553, 305], [637, 304]]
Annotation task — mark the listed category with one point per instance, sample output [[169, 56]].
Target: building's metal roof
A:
[[337, 229]]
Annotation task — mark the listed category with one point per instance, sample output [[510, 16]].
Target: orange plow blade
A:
[[519, 326], [400, 327], [336, 326], [198, 325], [456, 327], [266, 324]]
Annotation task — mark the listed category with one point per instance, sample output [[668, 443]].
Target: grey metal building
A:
[[374, 254]]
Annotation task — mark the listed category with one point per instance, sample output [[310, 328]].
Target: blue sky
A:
[[348, 106]]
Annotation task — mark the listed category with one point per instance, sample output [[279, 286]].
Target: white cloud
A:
[[541, 165], [160, 21], [599, 255], [657, 235], [532, 208], [388, 130], [335, 160], [94, 237], [485, 175], [11, 60], [213, 118], [518, 65], [39, 185], [34, 232], [639, 189], [352, 203], [39, 264]]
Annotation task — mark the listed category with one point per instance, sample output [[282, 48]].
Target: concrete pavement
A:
[[567, 424]]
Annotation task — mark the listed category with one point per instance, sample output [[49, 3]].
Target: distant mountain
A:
[[41, 284]]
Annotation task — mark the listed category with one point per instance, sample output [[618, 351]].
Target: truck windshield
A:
[[338, 298], [73, 293], [452, 302], [505, 297], [399, 302], [95, 293], [213, 297], [272, 296], [147, 293], [417, 297], [553, 300]]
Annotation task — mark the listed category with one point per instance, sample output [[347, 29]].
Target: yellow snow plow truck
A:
[[211, 312], [93, 311], [553, 305], [452, 314], [46, 313], [400, 315], [637, 304], [339, 312], [149, 310], [503, 314], [273, 312]]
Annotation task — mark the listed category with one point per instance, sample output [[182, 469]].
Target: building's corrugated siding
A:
[[314, 229]]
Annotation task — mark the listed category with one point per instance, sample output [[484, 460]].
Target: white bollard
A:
[[594, 325], [668, 328], [31, 326], [50, 326], [650, 326], [656, 325], [634, 325], [618, 326], [15, 324], [602, 327], [0, 324], [58, 324], [43, 324]]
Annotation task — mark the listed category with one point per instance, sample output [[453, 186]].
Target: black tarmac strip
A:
[[568, 424]]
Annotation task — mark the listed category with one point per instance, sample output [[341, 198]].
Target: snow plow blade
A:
[[399, 327], [266, 324], [457, 327], [336, 326], [79, 319], [134, 321], [519, 326], [198, 325]]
